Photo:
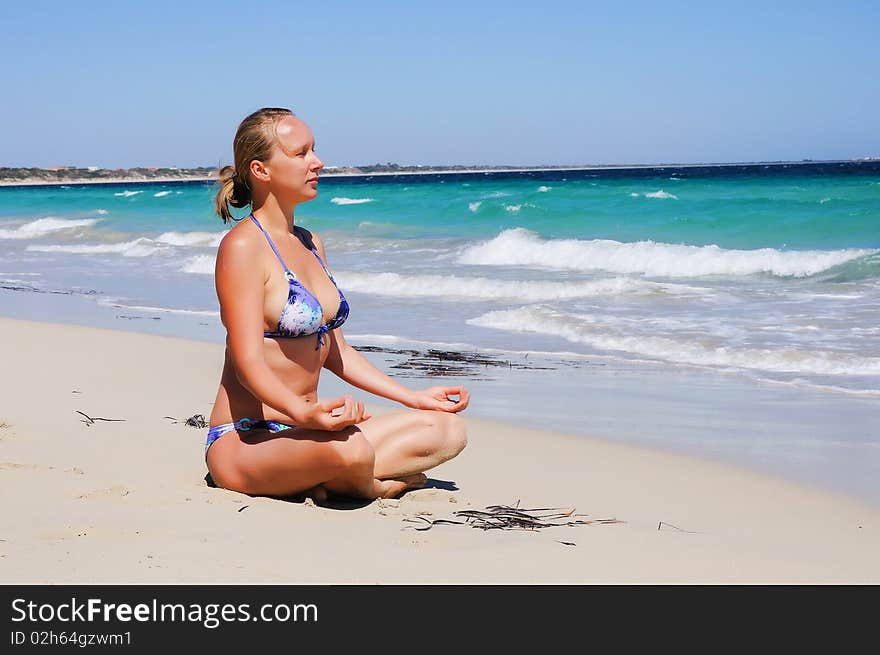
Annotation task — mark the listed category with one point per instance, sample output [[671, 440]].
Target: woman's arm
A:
[[350, 365], [240, 280]]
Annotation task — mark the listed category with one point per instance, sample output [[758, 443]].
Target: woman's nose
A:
[[317, 164]]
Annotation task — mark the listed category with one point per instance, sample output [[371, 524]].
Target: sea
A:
[[723, 311]]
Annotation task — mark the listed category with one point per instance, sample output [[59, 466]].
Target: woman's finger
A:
[[336, 409], [452, 391], [354, 412], [330, 405], [463, 397]]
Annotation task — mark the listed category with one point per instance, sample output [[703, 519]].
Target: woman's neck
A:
[[273, 215]]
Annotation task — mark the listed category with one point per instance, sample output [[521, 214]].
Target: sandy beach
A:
[[127, 502]]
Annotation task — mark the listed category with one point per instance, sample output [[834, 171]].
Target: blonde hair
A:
[[254, 139]]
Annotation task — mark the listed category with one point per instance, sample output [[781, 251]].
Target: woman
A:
[[269, 434]]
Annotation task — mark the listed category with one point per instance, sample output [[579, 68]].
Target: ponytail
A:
[[233, 191], [254, 140]]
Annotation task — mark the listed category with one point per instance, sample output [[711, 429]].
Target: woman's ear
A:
[[259, 171]]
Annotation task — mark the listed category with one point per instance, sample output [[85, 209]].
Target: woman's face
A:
[[294, 166]]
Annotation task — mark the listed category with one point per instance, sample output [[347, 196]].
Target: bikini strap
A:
[[323, 265], [305, 238], [287, 271]]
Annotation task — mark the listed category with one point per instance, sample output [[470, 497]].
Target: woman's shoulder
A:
[[239, 239]]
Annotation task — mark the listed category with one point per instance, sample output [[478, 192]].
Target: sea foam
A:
[[211, 239], [521, 247], [584, 329], [483, 288], [350, 201], [109, 302], [200, 265], [142, 247], [127, 194], [516, 208], [655, 194], [43, 226]]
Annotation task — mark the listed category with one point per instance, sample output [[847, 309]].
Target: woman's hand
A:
[[437, 398], [336, 414]]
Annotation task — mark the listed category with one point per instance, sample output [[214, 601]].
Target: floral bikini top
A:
[[303, 315]]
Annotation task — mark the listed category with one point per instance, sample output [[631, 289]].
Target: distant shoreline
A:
[[356, 172]]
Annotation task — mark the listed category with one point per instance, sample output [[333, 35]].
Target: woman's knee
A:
[[355, 454], [456, 434], [450, 435], [229, 476]]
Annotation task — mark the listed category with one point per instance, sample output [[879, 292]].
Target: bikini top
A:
[[303, 315]]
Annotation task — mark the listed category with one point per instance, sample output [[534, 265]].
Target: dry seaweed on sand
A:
[[195, 421], [506, 517], [434, 363]]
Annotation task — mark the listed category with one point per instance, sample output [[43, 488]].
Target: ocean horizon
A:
[[135, 175]]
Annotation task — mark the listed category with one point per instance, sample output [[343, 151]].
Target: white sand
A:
[[123, 502]]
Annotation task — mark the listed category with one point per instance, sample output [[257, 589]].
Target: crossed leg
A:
[[407, 444], [413, 442], [379, 458]]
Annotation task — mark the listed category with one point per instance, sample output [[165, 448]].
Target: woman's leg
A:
[[379, 458], [412, 442], [262, 463]]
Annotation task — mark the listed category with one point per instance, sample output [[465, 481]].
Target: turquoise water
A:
[[743, 212], [768, 271], [648, 304]]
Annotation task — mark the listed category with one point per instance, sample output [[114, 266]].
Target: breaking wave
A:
[[521, 247]]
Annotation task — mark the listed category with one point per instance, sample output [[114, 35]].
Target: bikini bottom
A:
[[243, 425]]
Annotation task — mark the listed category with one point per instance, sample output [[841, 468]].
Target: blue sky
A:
[[120, 84]]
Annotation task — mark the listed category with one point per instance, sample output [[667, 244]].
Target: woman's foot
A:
[[317, 494], [393, 487]]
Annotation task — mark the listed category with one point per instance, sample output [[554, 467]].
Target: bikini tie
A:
[[321, 332]]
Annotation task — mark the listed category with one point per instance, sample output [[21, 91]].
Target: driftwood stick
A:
[[90, 420], [674, 526]]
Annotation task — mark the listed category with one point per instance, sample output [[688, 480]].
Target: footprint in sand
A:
[[14, 466], [427, 496], [7, 432], [115, 491]]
